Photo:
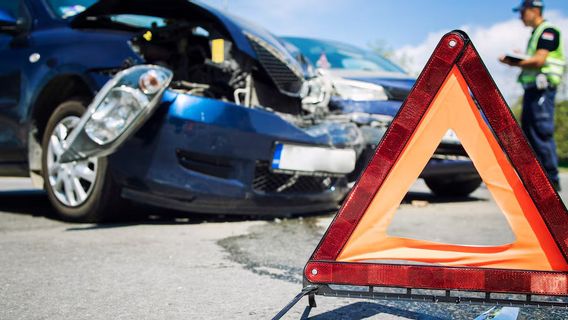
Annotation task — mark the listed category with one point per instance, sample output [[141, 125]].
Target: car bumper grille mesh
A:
[[267, 181]]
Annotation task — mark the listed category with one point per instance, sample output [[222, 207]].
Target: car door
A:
[[13, 154]]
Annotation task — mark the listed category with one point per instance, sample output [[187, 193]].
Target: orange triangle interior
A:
[[453, 108]]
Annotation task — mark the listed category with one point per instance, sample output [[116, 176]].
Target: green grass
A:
[[563, 166]]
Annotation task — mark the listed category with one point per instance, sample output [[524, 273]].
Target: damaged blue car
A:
[[168, 103], [370, 89]]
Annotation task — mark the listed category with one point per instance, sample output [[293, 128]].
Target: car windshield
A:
[[10, 6], [139, 20], [337, 55], [69, 8]]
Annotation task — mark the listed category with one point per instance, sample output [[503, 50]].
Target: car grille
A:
[[287, 80], [214, 166], [270, 182]]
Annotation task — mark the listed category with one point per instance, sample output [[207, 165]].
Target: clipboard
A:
[[516, 57]]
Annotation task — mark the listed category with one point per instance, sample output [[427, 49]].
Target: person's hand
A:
[[504, 60]]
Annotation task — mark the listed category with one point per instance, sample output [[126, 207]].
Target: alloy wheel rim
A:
[[72, 183]]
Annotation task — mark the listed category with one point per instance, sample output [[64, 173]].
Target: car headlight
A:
[[115, 113], [121, 107], [359, 90], [152, 81], [125, 101]]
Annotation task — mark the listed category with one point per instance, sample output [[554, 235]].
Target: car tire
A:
[[80, 191], [454, 186]]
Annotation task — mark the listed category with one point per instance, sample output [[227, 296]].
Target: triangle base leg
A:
[[309, 291]]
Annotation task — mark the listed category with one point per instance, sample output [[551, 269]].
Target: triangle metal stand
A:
[[501, 311]]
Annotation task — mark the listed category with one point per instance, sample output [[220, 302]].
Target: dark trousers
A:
[[538, 125]]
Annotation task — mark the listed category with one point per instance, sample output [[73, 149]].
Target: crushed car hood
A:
[[239, 29], [388, 108], [365, 74], [397, 85]]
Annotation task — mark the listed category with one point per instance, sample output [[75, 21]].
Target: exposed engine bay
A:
[[206, 63], [187, 51]]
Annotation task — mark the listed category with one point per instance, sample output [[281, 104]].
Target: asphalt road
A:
[[207, 267]]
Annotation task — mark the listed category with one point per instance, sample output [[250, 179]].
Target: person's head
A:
[[531, 12]]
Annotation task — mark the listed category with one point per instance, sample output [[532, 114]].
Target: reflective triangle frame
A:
[[323, 269]]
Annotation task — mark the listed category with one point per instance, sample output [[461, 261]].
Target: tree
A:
[[382, 48], [561, 130], [563, 88]]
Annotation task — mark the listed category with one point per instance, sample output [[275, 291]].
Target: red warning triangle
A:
[[351, 251]]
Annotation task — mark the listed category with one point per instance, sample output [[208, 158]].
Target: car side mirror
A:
[[9, 24]]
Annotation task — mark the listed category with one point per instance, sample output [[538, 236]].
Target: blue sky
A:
[[398, 22]]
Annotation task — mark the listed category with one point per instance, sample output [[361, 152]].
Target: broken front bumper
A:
[[205, 155]]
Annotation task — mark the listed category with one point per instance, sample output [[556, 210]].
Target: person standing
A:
[[542, 71]]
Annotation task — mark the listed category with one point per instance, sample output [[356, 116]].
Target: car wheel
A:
[[80, 191], [453, 186]]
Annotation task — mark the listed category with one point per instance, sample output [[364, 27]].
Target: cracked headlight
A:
[[117, 111], [125, 101], [359, 90]]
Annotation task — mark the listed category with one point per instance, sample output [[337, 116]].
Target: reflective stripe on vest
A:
[[555, 62]]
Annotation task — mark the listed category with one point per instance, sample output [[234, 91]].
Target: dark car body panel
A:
[[396, 89], [389, 108]]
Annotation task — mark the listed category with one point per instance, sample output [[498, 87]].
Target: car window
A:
[[10, 6], [69, 8], [337, 55]]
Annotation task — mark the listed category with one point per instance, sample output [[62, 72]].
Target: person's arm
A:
[[535, 62], [548, 41]]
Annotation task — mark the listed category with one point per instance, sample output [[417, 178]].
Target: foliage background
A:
[[561, 132], [561, 127]]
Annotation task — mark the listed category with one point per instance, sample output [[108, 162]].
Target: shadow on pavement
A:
[[364, 310], [180, 218], [30, 202], [35, 203], [431, 198]]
